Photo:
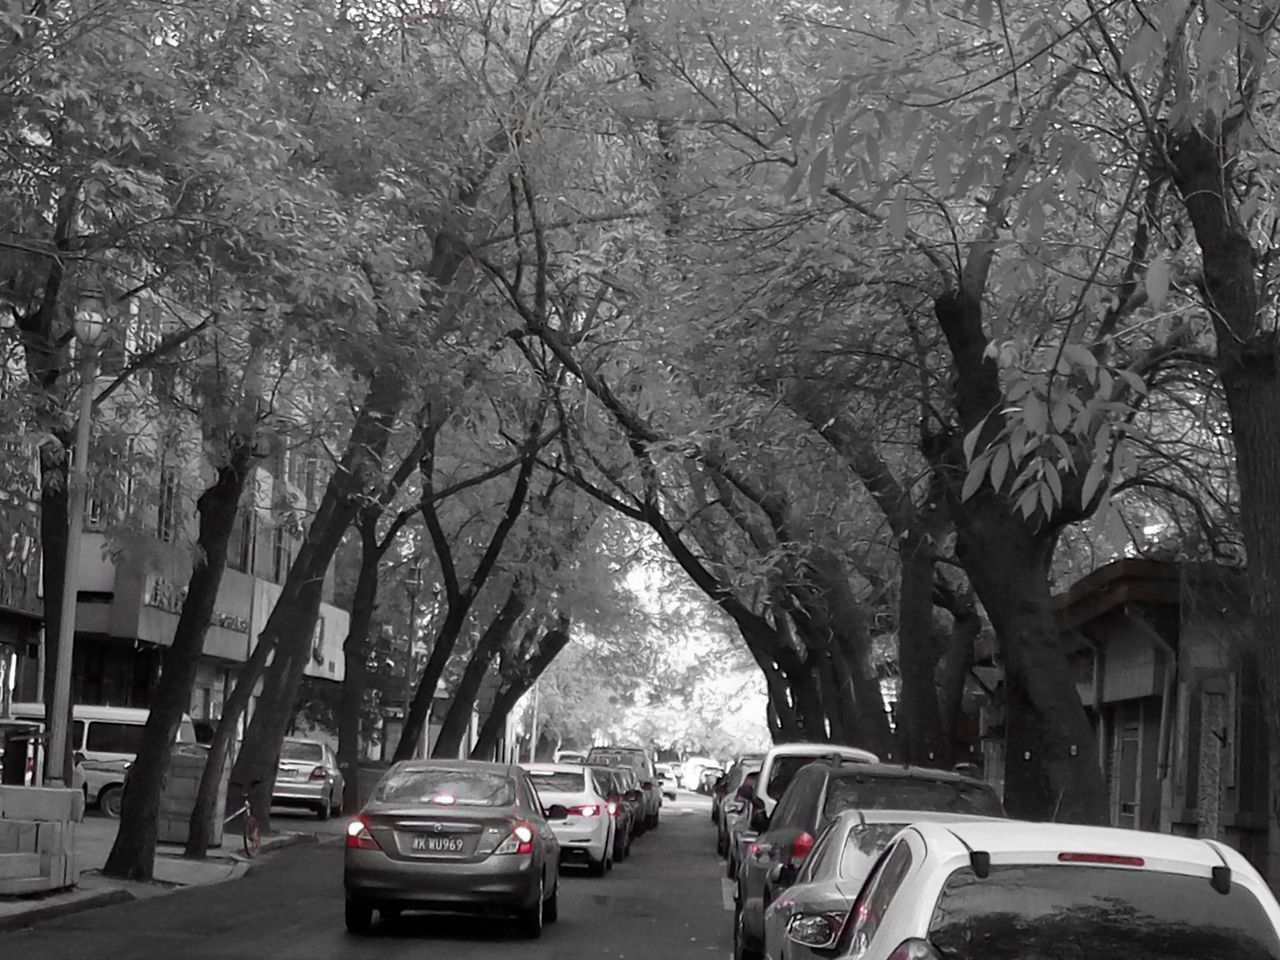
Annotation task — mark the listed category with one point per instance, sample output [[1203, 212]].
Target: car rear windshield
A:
[[633, 759], [559, 781], [859, 791], [473, 788], [1053, 912], [297, 750]]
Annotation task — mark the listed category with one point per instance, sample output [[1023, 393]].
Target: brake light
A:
[[359, 837], [612, 807], [754, 851], [1111, 859], [800, 848], [318, 773], [914, 949], [585, 810], [520, 842]]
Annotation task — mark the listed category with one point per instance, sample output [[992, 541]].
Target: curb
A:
[[53, 911], [271, 844]]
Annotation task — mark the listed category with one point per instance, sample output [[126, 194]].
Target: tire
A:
[[110, 800], [619, 849], [530, 921], [730, 868], [323, 811], [359, 917], [740, 949], [598, 868], [551, 909], [654, 823], [251, 834]]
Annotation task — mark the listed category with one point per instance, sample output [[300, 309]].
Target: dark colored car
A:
[[457, 837], [726, 793], [816, 795], [625, 812]]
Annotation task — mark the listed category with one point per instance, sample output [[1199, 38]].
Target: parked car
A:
[[308, 776], [454, 836], [785, 760], [107, 738], [569, 756], [833, 873], [639, 761], [586, 834], [28, 740], [691, 771], [737, 823], [667, 779], [814, 797], [625, 810], [726, 795], [1044, 891]]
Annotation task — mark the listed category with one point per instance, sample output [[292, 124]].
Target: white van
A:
[[108, 739]]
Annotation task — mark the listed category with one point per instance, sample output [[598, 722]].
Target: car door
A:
[[876, 932], [547, 842]]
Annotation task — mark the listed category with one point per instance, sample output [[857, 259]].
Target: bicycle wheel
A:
[[252, 836]]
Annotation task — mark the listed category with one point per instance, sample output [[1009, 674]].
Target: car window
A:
[[797, 804], [863, 846], [850, 790], [559, 781], [302, 750], [783, 771], [824, 851], [1070, 912], [874, 901], [109, 737], [77, 734], [474, 788], [531, 797]]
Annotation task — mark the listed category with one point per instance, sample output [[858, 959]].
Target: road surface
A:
[[665, 903]]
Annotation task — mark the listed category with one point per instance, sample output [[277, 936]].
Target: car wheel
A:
[[740, 949], [551, 909], [322, 811], [653, 824], [359, 917], [730, 868], [597, 868], [110, 800], [530, 920]]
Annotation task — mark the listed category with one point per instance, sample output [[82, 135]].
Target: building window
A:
[[280, 555], [240, 549], [167, 524]]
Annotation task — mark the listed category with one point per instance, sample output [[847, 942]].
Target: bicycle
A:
[[250, 830]]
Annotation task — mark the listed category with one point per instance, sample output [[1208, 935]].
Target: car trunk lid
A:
[[443, 835]]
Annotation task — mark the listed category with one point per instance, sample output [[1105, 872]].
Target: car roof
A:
[[904, 817], [900, 772], [820, 750], [1031, 841], [461, 765], [577, 768]]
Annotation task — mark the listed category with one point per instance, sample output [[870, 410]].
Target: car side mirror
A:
[[557, 811], [814, 930]]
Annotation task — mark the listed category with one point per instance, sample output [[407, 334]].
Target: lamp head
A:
[[91, 318]]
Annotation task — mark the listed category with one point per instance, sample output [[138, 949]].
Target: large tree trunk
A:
[[953, 670], [415, 720], [458, 717], [1051, 767], [1249, 366], [918, 715], [132, 855], [549, 647], [355, 655]]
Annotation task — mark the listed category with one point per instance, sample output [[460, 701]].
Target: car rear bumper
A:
[[497, 884], [580, 841], [304, 792]]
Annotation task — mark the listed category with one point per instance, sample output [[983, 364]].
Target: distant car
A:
[[814, 797], [1039, 891], [308, 776], [456, 836], [666, 779], [569, 756], [785, 760], [737, 823], [638, 759], [625, 809], [833, 873], [726, 795], [586, 834]]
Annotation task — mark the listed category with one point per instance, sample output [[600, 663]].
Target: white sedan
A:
[[1044, 891], [586, 834]]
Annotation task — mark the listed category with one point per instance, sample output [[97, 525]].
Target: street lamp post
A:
[[90, 327], [413, 584]]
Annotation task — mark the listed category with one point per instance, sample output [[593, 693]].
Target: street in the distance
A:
[[665, 902]]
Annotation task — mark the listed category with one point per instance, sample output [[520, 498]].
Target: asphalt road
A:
[[664, 903]]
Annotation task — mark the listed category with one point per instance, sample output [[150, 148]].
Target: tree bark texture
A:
[[132, 856], [953, 670], [1248, 354], [549, 647], [920, 734], [355, 655], [458, 718]]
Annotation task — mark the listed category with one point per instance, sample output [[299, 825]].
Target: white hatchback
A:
[[1050, 891], [586, 835]]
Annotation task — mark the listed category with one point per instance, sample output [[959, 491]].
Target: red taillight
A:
[[359, 837], [520, 840], [800, 848], [753, 851], [318, 773], [585, 810], [612, 807], [1111, 859]]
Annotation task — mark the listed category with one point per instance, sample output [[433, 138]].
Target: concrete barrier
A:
[[186, 767], [38, 839]]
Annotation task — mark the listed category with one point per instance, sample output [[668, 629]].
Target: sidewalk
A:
[[94, 838]]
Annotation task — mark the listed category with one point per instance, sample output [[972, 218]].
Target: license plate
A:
[[437, 844]]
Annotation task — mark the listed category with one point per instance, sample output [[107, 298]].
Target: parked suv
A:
[[816, 794], [785, 760], [638, 759]]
